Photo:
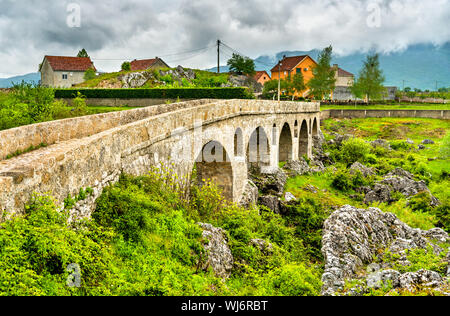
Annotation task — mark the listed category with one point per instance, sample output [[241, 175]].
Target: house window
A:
[[64, 76], [299, 70], [306, 69]]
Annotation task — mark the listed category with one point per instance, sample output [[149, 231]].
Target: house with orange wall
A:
[[262, 77], [289, 66]]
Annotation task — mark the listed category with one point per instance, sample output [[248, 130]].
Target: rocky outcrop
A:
[[263, 245], [297, 167], [244, 81], [271, 202], [400, 181], [250, 195], [218, 254], [353, 237], [381, 143], [365, 171], [269, 183]]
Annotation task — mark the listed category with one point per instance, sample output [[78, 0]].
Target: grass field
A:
[[427, 164], [403, 106]]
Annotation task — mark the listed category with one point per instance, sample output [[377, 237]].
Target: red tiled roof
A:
[[289, 63], [142, 64], [62, 63], [259, 74], [343, 73]]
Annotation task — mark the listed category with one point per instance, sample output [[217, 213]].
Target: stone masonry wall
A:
[[52, 132]]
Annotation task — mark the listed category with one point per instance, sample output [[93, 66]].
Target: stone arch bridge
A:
[[221, 139]]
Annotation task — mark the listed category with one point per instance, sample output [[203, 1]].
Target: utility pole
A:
[[279, 80], [218, 56]]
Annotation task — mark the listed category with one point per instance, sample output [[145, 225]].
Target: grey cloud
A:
[[116, 29]]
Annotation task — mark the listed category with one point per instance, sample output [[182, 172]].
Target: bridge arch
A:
[[258, 149], [214, 164], [285, 144], [303, 140], [315, 128]]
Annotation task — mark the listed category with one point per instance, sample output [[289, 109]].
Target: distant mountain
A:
[[419, 65], [29, 78]]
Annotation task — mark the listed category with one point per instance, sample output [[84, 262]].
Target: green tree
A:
[[89, 74], [82, 53], [298, 82], [370, 80], [126, 66], [241, 65], [323, 81]]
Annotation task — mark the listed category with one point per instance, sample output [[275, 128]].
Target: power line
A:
[[167, 55]]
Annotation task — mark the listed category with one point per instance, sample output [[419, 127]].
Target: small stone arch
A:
[[303, 140], [258, 149], [214, 164], [285, 144], [238, 143], [315, 128]]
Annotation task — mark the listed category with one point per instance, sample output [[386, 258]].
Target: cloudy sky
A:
[[113, 31]]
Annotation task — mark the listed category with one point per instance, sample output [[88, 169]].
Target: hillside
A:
[[28, 78], [420, 65]]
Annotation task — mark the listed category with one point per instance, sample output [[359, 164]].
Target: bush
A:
[[35, 251], [89, 74], [157, 93], [291, 280], [126, 66], [355, 149], [342, 181], [421, 202]]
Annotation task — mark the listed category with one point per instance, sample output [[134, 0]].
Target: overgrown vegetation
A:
[[144, 240], [28, 104]]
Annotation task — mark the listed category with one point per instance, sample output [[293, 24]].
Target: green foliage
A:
[[370, 80], [89, 74], [307, 215], [291, 280], [82, 53], [323, 81], [421, 202], [126, 66], [355, 150], [444, 150], [241, 65], [420, 259], [35, 251], [158, 93]]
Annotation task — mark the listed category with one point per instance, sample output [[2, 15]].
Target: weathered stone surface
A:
[[428, 142], [381, 143], [219, 256], [381, 278], [400, 181], [365, 171], [271, 202], [352, 238], [423, 278], [263, 245], [250, 195], [380, 193], [410, 141], [270, 183], [297, 167], [288, 197]]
